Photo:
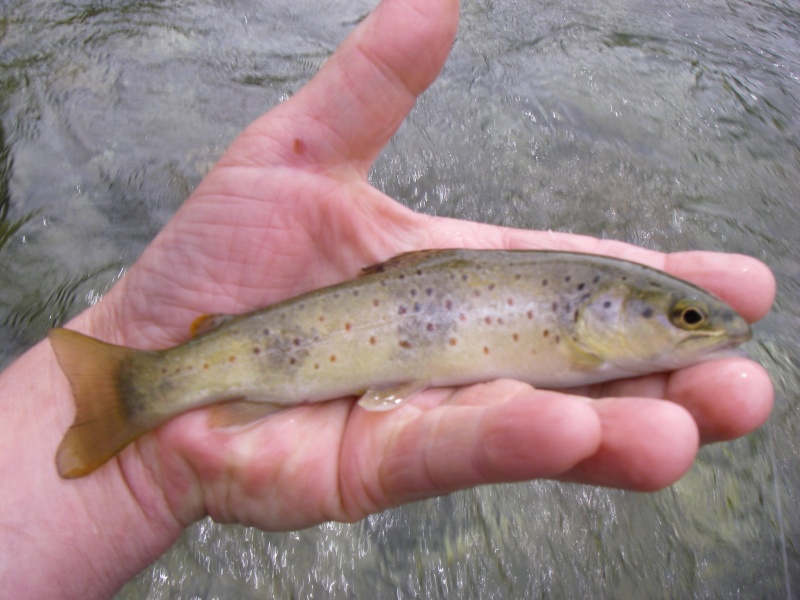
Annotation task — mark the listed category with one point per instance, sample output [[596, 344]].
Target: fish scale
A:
[[422, 319]]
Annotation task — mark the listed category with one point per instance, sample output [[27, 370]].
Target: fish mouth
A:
[[728, 341]]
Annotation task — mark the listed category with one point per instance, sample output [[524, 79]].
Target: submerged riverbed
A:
[[672, 125]]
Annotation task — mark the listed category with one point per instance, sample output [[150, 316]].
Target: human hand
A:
[[288, 209]]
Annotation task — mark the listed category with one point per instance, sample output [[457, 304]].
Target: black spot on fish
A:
[[429, 291], [517, 277], [464, 277], [581, 286], [430, 327], [558, 339], [413, 293], [267, 332], [401, 310], [568, 278], [417, 307], [448, 305], [555, 307], [476, 293], [491, 287], [575, 316], [596, 279], [401, 276], [647, 312], [292, 360], [419, 271], [256, 350], [607, 304], [544, 282], [296, 341], [355, 292]]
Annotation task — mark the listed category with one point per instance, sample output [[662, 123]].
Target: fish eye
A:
[[689, 316]]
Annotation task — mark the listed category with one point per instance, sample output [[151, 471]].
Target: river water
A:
[[672, 125]]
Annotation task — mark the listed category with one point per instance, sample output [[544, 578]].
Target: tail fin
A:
[[101, 427]]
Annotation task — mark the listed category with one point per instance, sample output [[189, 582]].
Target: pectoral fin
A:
[[387, 398]]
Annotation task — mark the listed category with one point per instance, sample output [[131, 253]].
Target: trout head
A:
[[656, 326]]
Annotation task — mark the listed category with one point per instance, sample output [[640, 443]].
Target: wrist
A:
[[81, 538]]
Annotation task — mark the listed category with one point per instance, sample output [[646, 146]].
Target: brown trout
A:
[[422, 319]]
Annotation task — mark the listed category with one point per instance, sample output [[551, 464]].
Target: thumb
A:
[[356, 102]]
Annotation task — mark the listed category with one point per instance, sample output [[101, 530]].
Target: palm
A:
[[288, 209]]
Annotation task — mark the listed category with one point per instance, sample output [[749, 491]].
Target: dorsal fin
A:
[[206, 323], [415, 258]]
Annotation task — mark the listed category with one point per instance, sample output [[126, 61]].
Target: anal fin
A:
[[239, 412]]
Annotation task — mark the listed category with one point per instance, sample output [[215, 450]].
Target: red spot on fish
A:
[[530, 314], [205, 366], [256, 350], [296, 341], [476, 293], [316, 366], [232, 358], [430, 327], [546, 332], [405, 344], [347, 326], [486, 349], [453, 341], [298, 146], [401, 310], [515, 337], [510, 302], [333, 358], [488, 320], [500, 321], [321, 318], [448, 305], [372, 340], [462, 317], [376, 302], [292, 360]]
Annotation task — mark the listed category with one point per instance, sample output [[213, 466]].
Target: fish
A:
[[422, 319]]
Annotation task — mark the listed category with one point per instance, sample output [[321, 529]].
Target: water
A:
[[672, 125]]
